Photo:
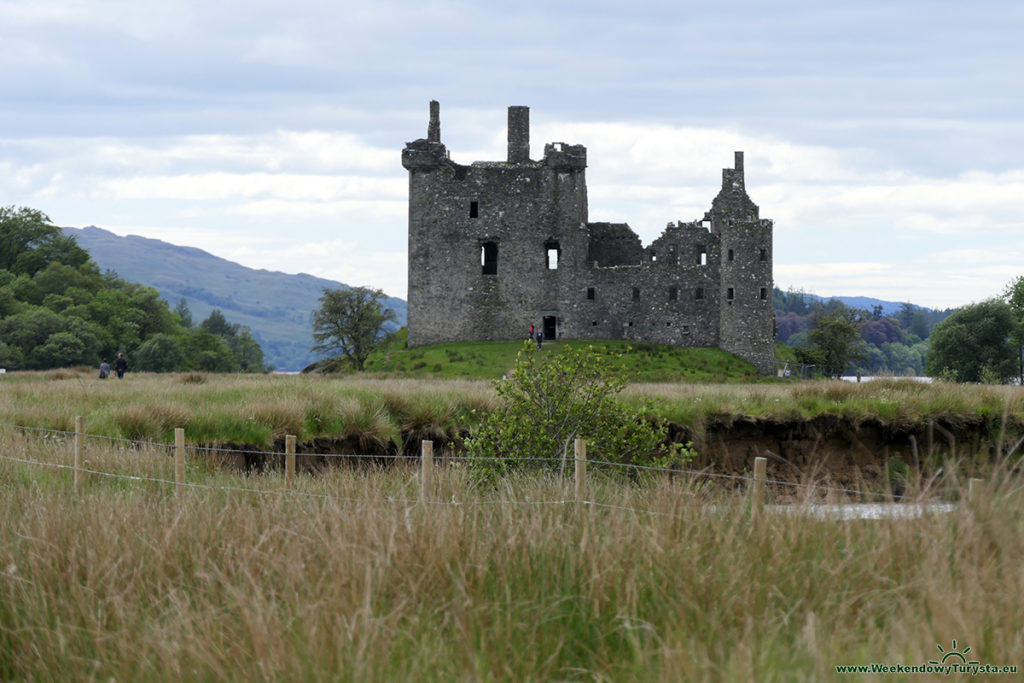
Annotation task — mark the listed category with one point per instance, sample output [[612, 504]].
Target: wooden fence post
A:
[[77, 461], [289, 460], [757, 490], [179, 462], [427, 469], [580, 449]]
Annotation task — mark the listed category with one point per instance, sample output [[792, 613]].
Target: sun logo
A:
[[953, 653]]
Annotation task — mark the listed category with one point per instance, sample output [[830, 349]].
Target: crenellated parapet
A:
[[563, 157]]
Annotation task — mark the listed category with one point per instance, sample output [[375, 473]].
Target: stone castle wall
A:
[[496, 246]]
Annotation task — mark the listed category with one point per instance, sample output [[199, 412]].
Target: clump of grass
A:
[[192, 378], [282, 415], [149, 422]]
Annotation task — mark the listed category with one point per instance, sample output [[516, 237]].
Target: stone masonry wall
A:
[[496, 246]]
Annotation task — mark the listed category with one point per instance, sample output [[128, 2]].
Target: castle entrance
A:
[[550, 327]]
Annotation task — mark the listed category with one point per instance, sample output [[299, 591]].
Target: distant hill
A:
[[865, 303], [277, 307]]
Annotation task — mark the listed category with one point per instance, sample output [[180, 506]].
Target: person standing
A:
[[120, 365], [104, 369]]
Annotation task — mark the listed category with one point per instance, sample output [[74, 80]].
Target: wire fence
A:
[[754, 485]]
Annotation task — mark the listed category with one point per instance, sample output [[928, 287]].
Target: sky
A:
[[884, 138]]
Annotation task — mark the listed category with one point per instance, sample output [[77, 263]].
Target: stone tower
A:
[[499, 245]]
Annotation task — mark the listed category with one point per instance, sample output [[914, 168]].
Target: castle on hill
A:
[[499, 245]]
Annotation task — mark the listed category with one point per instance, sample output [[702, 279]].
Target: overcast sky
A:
[[884, 138]]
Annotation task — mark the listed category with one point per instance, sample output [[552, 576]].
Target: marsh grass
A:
[[350, 577], [374, 415]]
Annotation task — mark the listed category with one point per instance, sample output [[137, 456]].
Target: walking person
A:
[[120, 365], [104, 369]]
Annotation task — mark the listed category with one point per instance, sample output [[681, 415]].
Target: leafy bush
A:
[[549, 400]]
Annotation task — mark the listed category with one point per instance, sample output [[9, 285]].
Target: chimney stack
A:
[[434, 127], [518, 134]]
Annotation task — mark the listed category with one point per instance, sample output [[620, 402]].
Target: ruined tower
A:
[[498, 245]]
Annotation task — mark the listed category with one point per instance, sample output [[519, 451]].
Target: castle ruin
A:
[[498, 245]]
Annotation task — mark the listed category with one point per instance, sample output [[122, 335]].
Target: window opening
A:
[[730, 256], [489, 258], [698, 293], [764, 254], [702, 255], [729, 294], [636, 295], [474, 209], [764, 293], [673, 293], [590, 293], [553, 252]]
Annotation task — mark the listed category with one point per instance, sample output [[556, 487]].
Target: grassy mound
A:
[[642, 362]]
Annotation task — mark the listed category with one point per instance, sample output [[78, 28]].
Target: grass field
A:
[[351, 577], [257, 409]]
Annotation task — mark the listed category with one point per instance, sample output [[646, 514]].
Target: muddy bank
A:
[[825, 448], [846, 452]]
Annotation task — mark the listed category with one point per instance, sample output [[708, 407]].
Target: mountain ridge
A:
[[277, 307]]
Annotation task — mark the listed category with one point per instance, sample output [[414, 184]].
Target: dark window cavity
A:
[[729, 293], [636, 295], [590, 293], [764, 293], [730, 256], [489, 258], [474, 209], [698, 293], [764, 254], [673, 293]]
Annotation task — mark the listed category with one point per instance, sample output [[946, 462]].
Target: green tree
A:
[[44, 339], [350, 322], [551, 399], [1014, 296], [248, 353], [160, 353], [974, 344], [29, 242], [217, 324], [238, 338], [834, 341], [184, 313], [208, 352]]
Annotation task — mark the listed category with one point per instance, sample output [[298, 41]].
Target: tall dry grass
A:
[[350, 577]]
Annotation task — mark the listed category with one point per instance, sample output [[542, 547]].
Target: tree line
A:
[[58, 310], [980, 342]]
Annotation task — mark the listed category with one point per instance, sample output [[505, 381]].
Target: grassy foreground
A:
[[351, 578]]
